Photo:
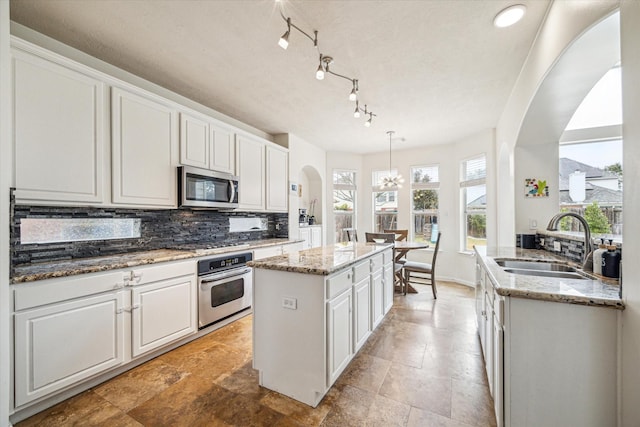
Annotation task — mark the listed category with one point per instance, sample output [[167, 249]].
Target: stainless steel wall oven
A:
[[225, 287]]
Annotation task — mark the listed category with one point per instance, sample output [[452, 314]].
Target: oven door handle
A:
[[224, 275]]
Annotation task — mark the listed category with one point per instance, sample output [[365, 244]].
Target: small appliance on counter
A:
[[303, 218], [527, 241]]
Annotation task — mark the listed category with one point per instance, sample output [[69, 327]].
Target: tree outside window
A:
[[474, 202], [344, 202]]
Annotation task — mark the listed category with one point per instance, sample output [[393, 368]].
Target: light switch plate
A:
[[557, 247], [533, 224]]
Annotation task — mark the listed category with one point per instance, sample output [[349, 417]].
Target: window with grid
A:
[[425, 184], [385, 202], [344, 203], [473, 195]]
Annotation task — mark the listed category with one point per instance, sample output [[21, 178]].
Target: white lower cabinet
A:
[[387, 283], [362, 313], [547, 363], [301, 349], [339, 326], [377, 298], [70, 329], [311, 235], [59, 345]]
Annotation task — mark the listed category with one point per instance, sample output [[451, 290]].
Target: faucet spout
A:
[[553, 226]]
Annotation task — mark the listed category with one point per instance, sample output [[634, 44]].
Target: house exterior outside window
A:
[[473, 198], [344, 202], [425, 184], [385, 202]]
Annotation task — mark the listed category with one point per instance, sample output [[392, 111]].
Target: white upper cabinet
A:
[[206, 144], [194, 141], [144, 146], [59, 130], [277, 179], [250, 155], [223, 151]]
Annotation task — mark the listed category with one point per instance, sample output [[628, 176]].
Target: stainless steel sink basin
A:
[[543, 273], [533, 265]]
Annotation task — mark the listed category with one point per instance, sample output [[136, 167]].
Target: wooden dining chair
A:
[[397, 267], [352, 234], [401, 235], [414, 272]]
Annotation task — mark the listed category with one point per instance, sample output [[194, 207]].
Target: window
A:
[[473, 195], [425, 183], [344, 202], [385, 204]]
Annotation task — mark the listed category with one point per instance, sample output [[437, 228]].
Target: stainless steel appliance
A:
[[225, 287], [303, 219], [201, 188]]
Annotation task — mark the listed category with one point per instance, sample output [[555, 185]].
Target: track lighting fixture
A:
[[284, 40], [353, 96], [323, 67]]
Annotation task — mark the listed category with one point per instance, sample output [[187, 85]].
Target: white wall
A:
[[5, 179], [630, 30], [303, 154], [541, 162]]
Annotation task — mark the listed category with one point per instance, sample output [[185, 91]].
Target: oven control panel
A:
[[222, 263]]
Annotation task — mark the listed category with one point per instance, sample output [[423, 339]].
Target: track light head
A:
[[320, 73], [356, 113], [284, 40], [368, 122], [353, 96]]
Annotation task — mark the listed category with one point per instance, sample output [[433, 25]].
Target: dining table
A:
[[401, 249]]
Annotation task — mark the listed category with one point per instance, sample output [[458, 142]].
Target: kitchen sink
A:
[[533, 265], [546, 273]]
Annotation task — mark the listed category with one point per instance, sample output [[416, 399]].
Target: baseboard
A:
[[457, 281]]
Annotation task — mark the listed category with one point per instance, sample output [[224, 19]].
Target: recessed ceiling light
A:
[[509, 16]]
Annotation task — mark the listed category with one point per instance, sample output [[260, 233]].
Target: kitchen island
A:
[[550, 344], [313, 310]]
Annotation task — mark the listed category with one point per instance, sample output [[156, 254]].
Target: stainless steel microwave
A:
[[202, 188]]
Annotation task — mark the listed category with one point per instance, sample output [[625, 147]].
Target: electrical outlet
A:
[[557, 247], [533, 224], [290, 303]]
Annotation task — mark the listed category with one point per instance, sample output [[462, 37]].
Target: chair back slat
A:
[[386, 237], [400, 235]]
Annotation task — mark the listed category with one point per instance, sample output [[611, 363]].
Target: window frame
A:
[[413, 186], [345, 187], [464, 185], [375, 189]]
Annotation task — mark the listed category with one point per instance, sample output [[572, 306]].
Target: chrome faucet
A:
[[587, 264]]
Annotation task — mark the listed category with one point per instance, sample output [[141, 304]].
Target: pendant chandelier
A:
[[389, 182]]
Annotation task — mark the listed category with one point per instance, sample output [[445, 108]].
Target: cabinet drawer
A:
[[339, 282], [154, 273], [42, 292], [361, 271], [376, 262]]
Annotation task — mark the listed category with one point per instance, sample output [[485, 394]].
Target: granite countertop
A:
[[49, 270], [320, 261], [601, 292]]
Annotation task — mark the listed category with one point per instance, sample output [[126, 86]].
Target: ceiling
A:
[[435, 71]]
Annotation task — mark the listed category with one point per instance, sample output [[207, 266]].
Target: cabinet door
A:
[[277, 179], [59, 120], [387, 279], [162, 312], [250, 169], [222, 149], [60, 344], [488, 347], [339, 335], [362, 312], [316, 237], [377, 300], [305, 234], [194, 141], [144, 138], [498, 371]]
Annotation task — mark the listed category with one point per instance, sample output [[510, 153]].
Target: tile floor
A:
[[422, 367]]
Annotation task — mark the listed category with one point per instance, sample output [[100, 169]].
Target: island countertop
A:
[[320, 261], [592, 292]]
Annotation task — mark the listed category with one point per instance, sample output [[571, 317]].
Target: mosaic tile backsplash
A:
[[158, 229]]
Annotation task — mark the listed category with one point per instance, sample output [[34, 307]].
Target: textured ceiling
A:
[[435, 71]]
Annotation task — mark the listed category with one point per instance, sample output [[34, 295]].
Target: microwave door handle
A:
[[232, 191]]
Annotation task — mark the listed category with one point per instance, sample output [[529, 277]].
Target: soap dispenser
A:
[[597, 257]]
